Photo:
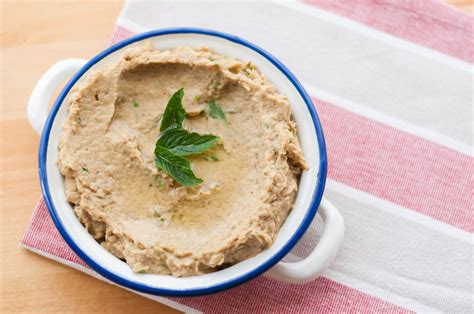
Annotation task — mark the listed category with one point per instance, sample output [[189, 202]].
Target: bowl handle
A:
[[312, 266], [45, 88]]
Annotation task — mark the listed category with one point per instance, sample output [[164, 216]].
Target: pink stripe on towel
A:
[[433, 24]]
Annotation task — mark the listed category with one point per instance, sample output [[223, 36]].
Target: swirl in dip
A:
[[141, 214]]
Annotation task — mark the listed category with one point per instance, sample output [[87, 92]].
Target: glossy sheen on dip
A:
[[139, 213]]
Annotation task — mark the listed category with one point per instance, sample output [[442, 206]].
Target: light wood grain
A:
[[34, 35], [464, 5]]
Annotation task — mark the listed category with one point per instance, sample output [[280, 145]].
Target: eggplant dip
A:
[[180, 161]]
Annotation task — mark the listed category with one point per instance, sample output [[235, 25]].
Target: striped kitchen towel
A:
[[393, 85]]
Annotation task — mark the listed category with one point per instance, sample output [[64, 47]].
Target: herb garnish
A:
[[176, 142], [212, 157], [215, 111], [135, 104], [176, 166], [183, 143], [173, 116], [214, 85], [158, 216], [84, 169]]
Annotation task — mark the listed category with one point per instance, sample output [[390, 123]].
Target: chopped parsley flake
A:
[[215, 111]]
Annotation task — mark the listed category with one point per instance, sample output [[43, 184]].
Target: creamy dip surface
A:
[[141, 214]]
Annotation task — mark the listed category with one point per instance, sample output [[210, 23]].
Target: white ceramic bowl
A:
[[308, 200]]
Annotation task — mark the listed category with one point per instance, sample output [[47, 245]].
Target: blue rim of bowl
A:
[[315, 201]]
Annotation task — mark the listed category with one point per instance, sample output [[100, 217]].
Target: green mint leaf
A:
[[215, 111], [135, 104], [183, 143], [175, 142], [176, 166], [174, 113]]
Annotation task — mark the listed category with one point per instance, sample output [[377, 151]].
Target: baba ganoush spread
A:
[[139, 209]]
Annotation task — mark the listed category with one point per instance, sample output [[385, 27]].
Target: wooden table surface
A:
[[34, 35]]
